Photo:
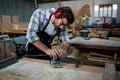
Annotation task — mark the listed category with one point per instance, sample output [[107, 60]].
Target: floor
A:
[[34, 69]]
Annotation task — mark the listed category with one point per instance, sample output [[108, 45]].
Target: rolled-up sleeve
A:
[[34, 26]]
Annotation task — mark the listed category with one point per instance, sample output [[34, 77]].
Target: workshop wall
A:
[[21, 8], [77, 5]]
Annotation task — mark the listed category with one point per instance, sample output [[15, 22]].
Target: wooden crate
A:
[[15, 19], [6, 19]]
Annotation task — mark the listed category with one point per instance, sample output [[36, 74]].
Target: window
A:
[[109, 10], [96, 11], [114, 14]]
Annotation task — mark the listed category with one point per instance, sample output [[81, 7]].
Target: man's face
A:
[[61, 22]]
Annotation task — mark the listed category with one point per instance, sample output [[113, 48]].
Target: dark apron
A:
[[45, 38]]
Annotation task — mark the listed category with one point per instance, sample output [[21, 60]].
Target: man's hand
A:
[[62, 53], [56, 53], [52, 53], [63, 50]]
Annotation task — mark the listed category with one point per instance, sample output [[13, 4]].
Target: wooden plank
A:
[[64, 65], [110, 72], [101, 55]]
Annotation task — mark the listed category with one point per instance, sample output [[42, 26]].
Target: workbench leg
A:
[[115, 57], [77, 64]]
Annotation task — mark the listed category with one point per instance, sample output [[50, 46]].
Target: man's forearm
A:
[[65, 46], [40, 45]]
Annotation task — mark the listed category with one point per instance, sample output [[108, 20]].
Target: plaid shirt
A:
[[38, 21]]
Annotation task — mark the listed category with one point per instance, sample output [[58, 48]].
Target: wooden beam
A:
[[36, 5], [47, 1], [105, 56], [110, 72], [59, 3]]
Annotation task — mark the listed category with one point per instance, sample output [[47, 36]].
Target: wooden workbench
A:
[[34, 69], [98, 44]]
